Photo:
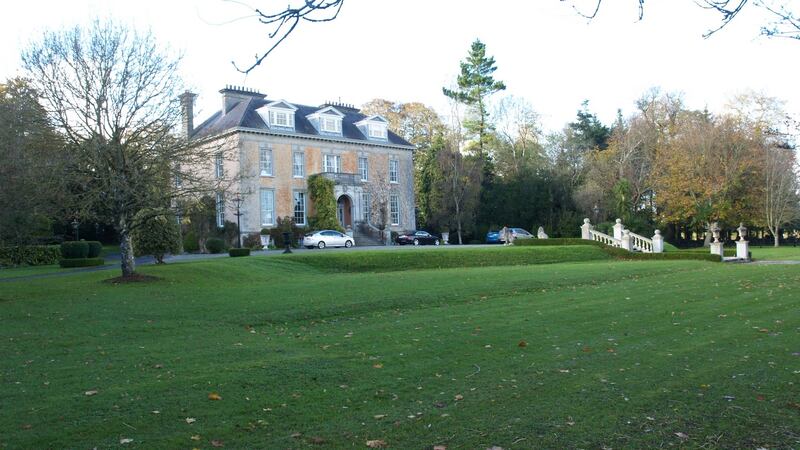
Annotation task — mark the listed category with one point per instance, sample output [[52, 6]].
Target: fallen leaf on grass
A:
[[494, 447], [522, 344], [682, 435], [376, 443], [587, 349], [217, 443], [125, 441], [196, 437], [214, 396], [459, 397], [377, 366], [379, 416], [316, 440], [439, 447], [793, 405], [611, 350], [190, 420], [90, 393]]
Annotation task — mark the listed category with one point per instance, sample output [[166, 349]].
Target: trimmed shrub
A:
[[236, 252], [81, 262], [624, 254], [157, 234], [252, 241], [30, 255], [669, 247], [215, 245], [95, 247], [556, 241], [75, 249], [286, 224]]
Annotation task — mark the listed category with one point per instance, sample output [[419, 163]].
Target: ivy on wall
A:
[[320, 191]]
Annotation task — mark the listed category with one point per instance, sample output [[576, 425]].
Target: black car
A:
[[418, 238]]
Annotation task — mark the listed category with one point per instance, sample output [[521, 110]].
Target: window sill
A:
[[265, 175], [298, 176]]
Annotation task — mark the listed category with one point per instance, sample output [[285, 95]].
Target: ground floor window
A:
[[366, 209], [267, 207], [299, 208], [394, 209], [220, 210]]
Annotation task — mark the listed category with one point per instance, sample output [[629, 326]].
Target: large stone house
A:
[[274, 145]]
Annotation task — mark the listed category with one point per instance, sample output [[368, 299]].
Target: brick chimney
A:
[[232, 95], [187, 111]]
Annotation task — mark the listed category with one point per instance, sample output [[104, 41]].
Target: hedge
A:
[[75, 249], [30, 255], [95, 247], [621, 253], [234, 252], [81, 262], [556, 241]]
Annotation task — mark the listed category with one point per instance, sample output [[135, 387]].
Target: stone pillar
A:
[[743, 250], [626, 240], [716, 249], [445, 237], [618, 227], [658, 242], [585, 228]]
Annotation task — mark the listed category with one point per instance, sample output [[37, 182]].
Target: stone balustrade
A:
[[624, 238]]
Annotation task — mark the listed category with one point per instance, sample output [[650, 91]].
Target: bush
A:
[[81, 262], [285, 224], [30, 255], [157, 234], [235, 252], [556, 242], [321, 194], [624, 254], [75, 249], [190, 243], [252, 241], [95, 247], [215, 245]]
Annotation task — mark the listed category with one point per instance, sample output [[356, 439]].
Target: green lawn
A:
[[776, 253], [585, 354], [23, 271]]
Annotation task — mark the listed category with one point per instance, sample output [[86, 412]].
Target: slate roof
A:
[[244, 115]]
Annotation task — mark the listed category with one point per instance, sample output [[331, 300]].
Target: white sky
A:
[[406, 50]]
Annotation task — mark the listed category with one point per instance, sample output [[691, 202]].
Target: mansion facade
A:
[[273, 146]]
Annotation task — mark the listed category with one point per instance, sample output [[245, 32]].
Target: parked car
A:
[[495, 237], [327, 238], [418, 237]]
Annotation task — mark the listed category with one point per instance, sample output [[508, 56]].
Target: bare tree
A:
[[111, 92], [520, 136], [784, 22], [780, 188]]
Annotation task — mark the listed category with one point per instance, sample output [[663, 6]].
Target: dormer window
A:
[[374, 128], [327, 120], [278, 115]]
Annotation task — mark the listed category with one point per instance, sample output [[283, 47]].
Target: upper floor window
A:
[[393, 175], [279, 114], [298, 165], [332, 163], [377, 131], [219, 167], [330, 124], [265, 161], [363, 168]]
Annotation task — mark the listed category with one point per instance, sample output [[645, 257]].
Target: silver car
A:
[[327, 238]]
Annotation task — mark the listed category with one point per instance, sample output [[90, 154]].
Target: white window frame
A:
[[265, 161], [276, 116], [330, 124], [366, 207], [303, 203], [220, 206], [394, 171], [298, 164], [394, 209], [377, 131], [329, 158], [219, 166], [266, 203], [363, 168]]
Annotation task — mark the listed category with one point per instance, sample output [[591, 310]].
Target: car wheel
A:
[[348, 244], [321, 244], [416, 241], [436, 242]]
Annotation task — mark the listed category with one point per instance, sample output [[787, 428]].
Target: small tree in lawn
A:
[[157, 234]]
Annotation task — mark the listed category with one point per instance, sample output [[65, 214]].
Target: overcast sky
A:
[[406, 50]]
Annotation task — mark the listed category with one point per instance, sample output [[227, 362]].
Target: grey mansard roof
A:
[[243, 116]]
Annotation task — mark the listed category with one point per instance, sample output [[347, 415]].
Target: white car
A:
[[327, 238]]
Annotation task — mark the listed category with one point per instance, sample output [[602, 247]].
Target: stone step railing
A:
[[624, 238], [604, 238]]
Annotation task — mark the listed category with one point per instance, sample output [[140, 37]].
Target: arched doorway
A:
[[344, 211]]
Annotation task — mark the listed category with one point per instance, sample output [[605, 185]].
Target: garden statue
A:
[[541, 234], [742, 230]]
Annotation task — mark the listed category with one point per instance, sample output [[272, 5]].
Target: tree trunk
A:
[[707, 240], [777, 237], [127, 260]]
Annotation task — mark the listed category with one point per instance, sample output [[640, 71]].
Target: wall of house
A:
[[246, 161]]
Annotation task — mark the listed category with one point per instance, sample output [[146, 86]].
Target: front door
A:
[[344, 211]]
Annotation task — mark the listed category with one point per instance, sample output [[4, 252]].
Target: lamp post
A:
[[238, 201], [287, 239], [596, 211], [75, 224]]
